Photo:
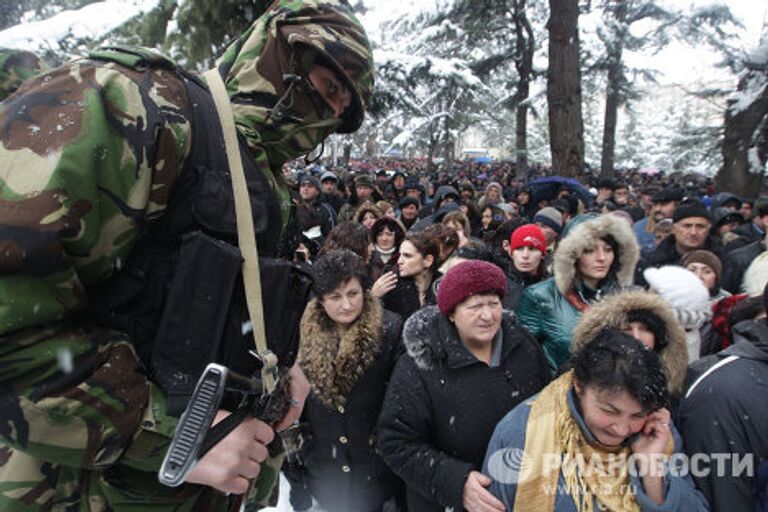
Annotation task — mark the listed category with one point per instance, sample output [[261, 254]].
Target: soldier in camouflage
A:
[[90, 154], [15, 67]]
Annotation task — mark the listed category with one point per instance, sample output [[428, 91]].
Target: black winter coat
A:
[[726, 412], [736, 263], [443, 404], [666, 254], [339, 465], [404, 298]]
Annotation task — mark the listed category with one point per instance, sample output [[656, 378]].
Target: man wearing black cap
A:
[[691, 231], [364, 190], [316, 217], [409, 211], [604, 191], [381, 179], [395, 190], [664, 203], [330, 183], [740, 253]]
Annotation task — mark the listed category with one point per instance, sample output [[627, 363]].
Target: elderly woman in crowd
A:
[[468, 363], [349, 346], [596, 256], [645, 316], [570, 448]]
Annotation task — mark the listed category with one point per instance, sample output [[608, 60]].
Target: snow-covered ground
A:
[[283, 504]]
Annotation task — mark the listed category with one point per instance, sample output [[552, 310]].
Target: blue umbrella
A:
[[548, 188]]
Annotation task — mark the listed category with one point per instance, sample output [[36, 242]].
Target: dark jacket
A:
[[430, 213], [404, 298], [377, 266], [747, 233], [666, 254], [736, 263], [725, 412], [443, 404], [339, 465], [517, 282]]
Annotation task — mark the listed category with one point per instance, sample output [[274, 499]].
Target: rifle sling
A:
[[245, 230]]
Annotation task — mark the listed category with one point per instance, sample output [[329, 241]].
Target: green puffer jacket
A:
[[544, 309]]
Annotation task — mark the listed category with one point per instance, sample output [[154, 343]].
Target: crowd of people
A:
[[589, 320], [476, 338]]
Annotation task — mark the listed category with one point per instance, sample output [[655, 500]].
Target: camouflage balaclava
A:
[[266, 74]]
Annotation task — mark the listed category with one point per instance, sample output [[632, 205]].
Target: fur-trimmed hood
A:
[[431, 339], [333, 365], [584, 236], [612, 312]]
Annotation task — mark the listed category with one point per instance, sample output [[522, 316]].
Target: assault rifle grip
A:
[[193, 426]]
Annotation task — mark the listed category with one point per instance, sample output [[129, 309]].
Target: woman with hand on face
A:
[[410, 288], [598, 438], [349, 346], [527, 248], [468, 363], [596, 256]]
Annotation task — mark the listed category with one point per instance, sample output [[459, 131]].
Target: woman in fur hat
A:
[[349, 346], [596, 256], [367, 214], [648, 318]]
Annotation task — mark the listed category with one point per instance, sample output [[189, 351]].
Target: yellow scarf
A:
[[554, 442]]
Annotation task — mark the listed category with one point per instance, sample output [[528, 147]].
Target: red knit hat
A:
[[528, 235], [469, 278]]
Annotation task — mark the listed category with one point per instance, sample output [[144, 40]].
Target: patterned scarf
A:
[[552, 429]]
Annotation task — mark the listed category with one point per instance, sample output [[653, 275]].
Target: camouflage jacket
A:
[[88, 153], [15, 67]]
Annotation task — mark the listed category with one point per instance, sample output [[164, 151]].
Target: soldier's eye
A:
[[332, 87]]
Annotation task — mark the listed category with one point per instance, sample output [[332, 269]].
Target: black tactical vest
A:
[[180, 295]]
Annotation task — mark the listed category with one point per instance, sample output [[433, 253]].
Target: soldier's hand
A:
[[299, 388], [235, 460]]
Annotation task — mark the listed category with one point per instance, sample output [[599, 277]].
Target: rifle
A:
[[265, 395], [194, 436]]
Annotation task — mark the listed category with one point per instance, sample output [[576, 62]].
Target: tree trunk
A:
[[347, 154], [745, 142], [524, 49], [613, 93], [432, 148], [566, 128]]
